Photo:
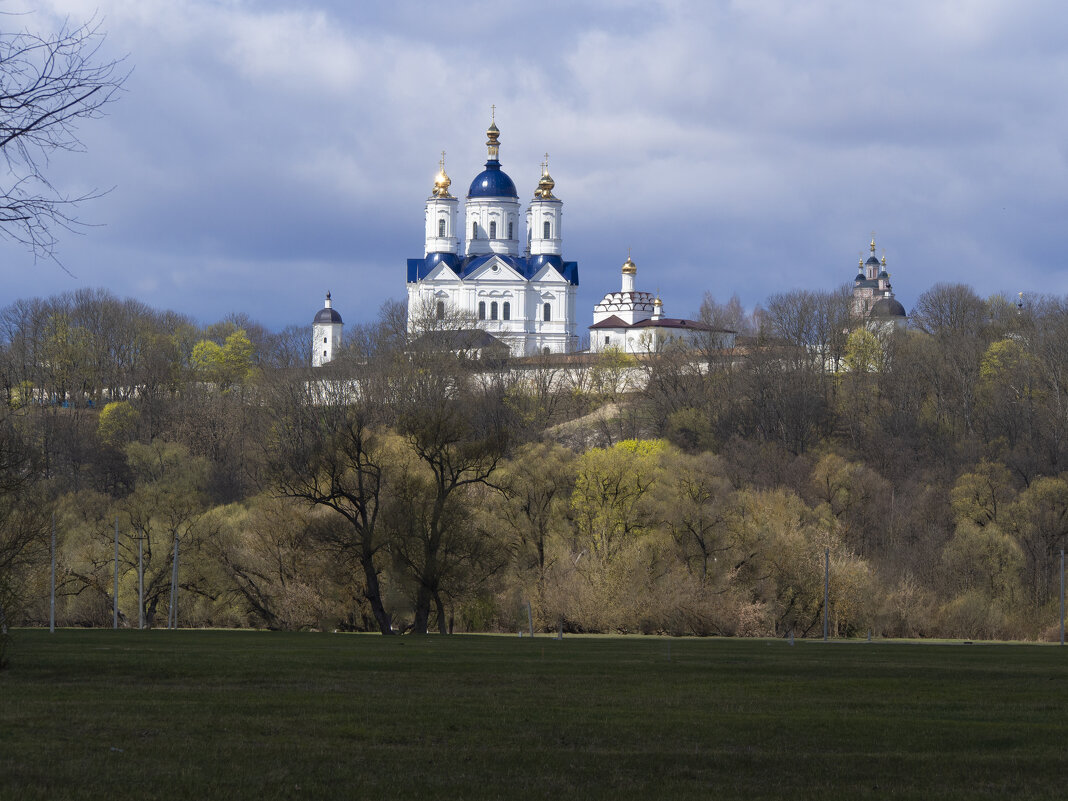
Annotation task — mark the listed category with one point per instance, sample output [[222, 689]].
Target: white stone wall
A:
[[326, 341]]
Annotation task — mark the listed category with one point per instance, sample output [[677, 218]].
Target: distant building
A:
[[633, 321], [326, 334], [873, 297], [526, 301]]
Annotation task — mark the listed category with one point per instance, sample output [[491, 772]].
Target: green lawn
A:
[[258, 715]]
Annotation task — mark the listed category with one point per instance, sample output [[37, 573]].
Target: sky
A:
[[265, 152]]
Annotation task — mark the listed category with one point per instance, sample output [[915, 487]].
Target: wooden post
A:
[[530, 619]]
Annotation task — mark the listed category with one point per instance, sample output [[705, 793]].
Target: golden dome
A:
[[545, 186], [629, 267], [442, 182], [884, 260], [873, 244], [658, 301]]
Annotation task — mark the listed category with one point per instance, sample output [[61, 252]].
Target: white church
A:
[[526, 301]]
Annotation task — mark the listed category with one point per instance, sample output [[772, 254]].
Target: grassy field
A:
[[257, 715]]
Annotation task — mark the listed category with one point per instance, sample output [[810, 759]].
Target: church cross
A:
[[493, 113]]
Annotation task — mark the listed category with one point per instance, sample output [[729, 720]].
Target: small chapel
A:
[[633, 321]]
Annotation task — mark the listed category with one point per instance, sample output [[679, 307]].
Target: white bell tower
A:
[[543, 217], [326, 334], [441, 214]]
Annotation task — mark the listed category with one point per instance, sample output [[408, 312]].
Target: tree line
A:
[[409, 488]]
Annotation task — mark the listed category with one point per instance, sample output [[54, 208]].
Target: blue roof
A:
[[492, 182], [527, 267]]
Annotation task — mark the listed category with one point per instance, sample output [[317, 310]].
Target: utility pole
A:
[[826, 589], [172, 618], [140, 582], [115, 606], [51, 600]]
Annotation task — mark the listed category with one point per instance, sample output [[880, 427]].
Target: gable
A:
[[549, 274], [494, 269]]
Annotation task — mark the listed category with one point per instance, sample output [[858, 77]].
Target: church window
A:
[[482, 310], [548, 230], [547, 312], [324, 340], [441, 310], [545, 350], [493, 229], [441, 228], [474, 230], [506, 311], [324, 354], [510, 230], [493, 310], [608, 340]]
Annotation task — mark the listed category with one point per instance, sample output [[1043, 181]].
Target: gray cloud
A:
[[262, 155]]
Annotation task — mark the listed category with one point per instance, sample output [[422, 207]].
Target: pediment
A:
[[549, 274], [495, 269], [441, 272]]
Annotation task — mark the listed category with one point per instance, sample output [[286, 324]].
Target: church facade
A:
[[873, 296], [475, 268]]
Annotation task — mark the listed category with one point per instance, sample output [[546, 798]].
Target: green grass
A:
[[257, 715]]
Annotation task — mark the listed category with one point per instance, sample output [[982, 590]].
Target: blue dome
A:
[[859, 278], [537, 262], [433, 259], [492, 182]]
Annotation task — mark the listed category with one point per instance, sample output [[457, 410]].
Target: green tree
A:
[[610, 486]]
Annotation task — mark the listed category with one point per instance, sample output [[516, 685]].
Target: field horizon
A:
[[253, 714]]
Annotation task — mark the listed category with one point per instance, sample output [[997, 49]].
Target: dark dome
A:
[[859, 278], [887, 307], [884, 274], [451, 259], [872, 260], [492, 182], [327, 316]]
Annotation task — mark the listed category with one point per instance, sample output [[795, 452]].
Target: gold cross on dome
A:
[[493, 113], [442, 162], [546, 161]]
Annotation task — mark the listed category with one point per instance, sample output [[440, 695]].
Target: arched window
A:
[[324, 340], [474, 230], [324, 354], [441, 228], [547, 312], [482, 310], [548, 230], [506, 311], [493, 310], [510, 230], [441, 310], [493, 229]]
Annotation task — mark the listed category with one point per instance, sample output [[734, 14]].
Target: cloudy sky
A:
[[264, 152]]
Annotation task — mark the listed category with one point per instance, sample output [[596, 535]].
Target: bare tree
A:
[[48, 83]]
